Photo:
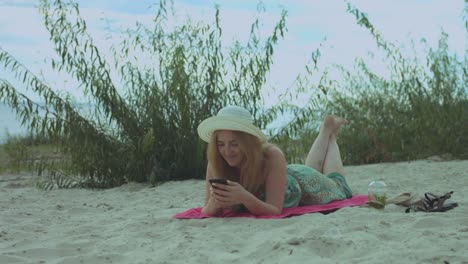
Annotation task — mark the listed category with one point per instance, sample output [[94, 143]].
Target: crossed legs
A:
[[324, 155]]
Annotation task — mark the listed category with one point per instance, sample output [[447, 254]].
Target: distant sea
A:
[[10, 124]]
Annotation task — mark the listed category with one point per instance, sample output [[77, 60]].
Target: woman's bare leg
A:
[[319, 150], [333, 161]]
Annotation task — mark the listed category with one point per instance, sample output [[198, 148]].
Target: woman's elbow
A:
[[208, 212], [275, 211], [279, 211]]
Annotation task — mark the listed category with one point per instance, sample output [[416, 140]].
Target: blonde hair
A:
[[252, 170]]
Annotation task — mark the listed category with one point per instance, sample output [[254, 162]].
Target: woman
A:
[[258, 178]]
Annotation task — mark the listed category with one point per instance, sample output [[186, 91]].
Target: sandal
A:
[[432, 203]]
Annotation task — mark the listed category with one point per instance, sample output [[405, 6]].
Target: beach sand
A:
[[134, 224]]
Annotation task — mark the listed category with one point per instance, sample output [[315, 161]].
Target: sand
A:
[[133, 224]]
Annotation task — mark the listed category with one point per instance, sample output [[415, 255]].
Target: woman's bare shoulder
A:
[[274, 153], [275, 162]]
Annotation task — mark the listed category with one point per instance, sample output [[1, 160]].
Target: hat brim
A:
[[211, 124]]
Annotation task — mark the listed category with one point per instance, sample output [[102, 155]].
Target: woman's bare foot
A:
[[332, 123]]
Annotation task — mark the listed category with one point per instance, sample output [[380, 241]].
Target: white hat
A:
[[230, 118]]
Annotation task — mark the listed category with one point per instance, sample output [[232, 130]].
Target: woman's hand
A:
[[227, 195]]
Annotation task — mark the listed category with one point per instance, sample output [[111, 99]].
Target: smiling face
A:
[[228, 146]]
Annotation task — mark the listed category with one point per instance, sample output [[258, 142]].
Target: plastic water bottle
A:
[[377, 194]]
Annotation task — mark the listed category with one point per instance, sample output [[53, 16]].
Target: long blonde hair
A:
[[252, 170]]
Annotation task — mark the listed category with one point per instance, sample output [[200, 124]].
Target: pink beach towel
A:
[[195, 213]]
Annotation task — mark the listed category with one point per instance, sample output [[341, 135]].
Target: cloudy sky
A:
[[310, 23]]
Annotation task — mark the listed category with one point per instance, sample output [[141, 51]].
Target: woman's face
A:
[[228, 147]]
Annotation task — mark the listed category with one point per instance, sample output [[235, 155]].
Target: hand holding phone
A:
[[217, 181]]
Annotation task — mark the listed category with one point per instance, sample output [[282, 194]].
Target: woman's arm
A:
[[275, 186], [210, 208]]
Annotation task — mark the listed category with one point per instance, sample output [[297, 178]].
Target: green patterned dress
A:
[[306, 186]]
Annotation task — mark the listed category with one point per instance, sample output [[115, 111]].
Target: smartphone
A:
[[218, 181]]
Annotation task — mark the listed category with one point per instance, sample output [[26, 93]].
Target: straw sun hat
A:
[[230, 118]]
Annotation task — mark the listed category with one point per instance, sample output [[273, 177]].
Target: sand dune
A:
[[134, 224]]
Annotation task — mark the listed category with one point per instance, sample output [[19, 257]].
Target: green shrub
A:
[[144, 125], [419, 111]]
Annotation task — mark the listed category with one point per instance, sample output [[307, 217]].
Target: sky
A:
[[311, 24]]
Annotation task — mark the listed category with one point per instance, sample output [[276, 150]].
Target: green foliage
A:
[[143, 127], [419, 111], [144, 124]]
